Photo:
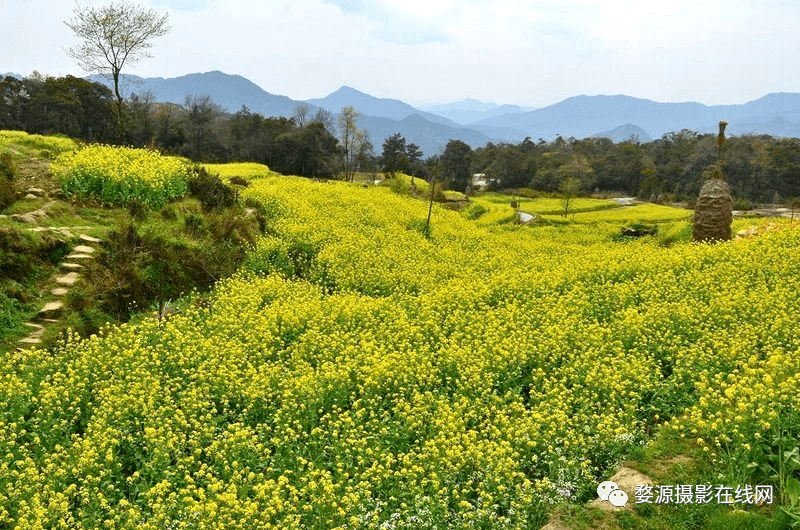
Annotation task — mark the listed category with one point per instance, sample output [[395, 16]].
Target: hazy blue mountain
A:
[[582, 116], [228, 91], [372, 106], [625, 132], [428, 131], [430, 137], [12, 74], [465, 104], [469, 111]]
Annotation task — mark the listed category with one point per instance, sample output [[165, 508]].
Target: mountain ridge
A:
[[471, 110], [374, 106], [582, 116]]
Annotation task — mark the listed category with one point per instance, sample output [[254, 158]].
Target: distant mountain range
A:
[[228, 91], [625, 132], [582, 116], [381, 117], [469, 111], [477, 123], [372, 106]]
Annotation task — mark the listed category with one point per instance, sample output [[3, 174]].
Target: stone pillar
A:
[[713, 214]]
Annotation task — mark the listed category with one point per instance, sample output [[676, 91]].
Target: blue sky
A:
[[529, 53]]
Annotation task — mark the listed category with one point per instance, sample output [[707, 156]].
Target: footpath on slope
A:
[[70, 268]]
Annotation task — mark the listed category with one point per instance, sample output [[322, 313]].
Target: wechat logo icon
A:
[[609, 491]]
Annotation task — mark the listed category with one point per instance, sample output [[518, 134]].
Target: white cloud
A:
[[437, 50]]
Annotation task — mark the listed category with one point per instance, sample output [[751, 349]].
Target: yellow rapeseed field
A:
[[246, 170], [20, 142], [358, 374], [121, 175]]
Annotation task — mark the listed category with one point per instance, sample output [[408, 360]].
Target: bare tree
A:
[[114, 36], [325, 117], [351, 138], [199, 120], [301, 114]]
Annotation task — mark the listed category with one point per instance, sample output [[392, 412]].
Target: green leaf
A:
[[793, 490]]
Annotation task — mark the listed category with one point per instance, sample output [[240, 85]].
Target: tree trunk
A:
[[119, 129]]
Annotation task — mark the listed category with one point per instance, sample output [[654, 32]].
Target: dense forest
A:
[[759, 168]]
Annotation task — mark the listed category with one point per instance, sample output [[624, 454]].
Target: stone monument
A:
[[714, 211]]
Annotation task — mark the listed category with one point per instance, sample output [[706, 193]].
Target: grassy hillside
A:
[[151, 253], [359, 374]]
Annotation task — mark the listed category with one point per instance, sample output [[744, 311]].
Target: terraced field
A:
[[360, 373]]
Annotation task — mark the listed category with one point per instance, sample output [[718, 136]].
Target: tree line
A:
[[758, 168]]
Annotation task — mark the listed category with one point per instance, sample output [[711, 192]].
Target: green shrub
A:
[[239, 181], [10, 315], [168, 213], [137, 210], [7, 175], [16, 254], [211, 191], [474, 211], [193, 224], [137, 268]]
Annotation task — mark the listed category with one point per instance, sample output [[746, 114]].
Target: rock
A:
[[28, 218], [31, 340], [68, 279], [90, 239], [31, 217], [746, 232], [59, 291], [31, 197], [80, 256], [38, 330], [71, 266], [51, 308], [37, 191], [713, 213], [83, 249], [525, 217], [626, 479], [631, 231]]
